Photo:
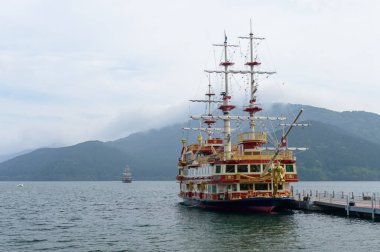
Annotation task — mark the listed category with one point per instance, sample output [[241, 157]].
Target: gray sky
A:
[[72, 71]]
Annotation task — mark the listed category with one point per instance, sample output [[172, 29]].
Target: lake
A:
[[147, 216]]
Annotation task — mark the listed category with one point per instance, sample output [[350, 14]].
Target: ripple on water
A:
[[147, 216]]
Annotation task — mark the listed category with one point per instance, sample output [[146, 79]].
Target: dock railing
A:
[[362, 202]]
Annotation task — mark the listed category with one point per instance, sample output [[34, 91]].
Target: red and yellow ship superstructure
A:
[[247, 175]]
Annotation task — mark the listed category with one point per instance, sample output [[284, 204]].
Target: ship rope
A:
[[218, 77]]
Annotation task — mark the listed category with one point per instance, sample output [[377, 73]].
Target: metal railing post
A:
[[291, 190], [373, 206]]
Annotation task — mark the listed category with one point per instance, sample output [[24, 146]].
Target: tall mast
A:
[[209, 122], [252, 80], [226, 107], [252, 108]]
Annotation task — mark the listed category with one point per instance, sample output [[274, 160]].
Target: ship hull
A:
[[259, 205]]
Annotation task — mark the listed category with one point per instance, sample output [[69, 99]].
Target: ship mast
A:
[[209, 122], [208, 119], [252, 108], [226, 107]]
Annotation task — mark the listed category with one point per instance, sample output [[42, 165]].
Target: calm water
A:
[[146, 216]]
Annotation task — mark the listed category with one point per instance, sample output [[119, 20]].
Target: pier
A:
[[364, 205]]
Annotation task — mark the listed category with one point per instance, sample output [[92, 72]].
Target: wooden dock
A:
[[364, 205]]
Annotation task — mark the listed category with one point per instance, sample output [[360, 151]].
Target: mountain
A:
[[12, 155], [335, 154], [91, 160], [343, 146], [155, 153], [363, 124]]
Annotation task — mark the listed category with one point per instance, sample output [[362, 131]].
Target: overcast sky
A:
[[78, 70]]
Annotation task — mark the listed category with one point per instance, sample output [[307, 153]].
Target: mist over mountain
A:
[[342, 146]]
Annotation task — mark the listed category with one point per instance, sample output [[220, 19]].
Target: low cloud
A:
[[72, 71]]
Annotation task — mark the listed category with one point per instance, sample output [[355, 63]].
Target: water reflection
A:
[[224, 231]]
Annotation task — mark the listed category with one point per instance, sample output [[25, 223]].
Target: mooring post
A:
[[352, 195], [333, 194], [324, 194], [373, 206], [348, 206], [342, 195], [311, 193], [291, 190]]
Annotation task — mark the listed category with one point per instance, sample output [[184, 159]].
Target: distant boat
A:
[[127, 176], [20, 185]]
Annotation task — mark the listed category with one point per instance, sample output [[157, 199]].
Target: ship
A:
[[127, 175], [238, 172]]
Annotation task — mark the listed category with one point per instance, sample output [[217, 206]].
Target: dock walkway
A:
[[366, 205]]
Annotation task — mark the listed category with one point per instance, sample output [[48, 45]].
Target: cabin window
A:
[[218, 169], [213, 189], [280, 187], [189, 156], [289, 168], [232, 187], [230, 168], [242, 168], [200, 154], [255, 168], [246, 187], [261, 187]]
